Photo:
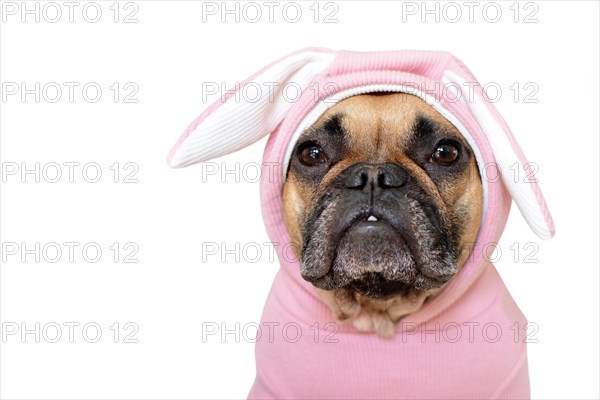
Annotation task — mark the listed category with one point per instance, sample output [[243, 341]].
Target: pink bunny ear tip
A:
[[171, 162], [543, 225], [546, 235], [551, 229], [176, 163], [234, 122], [174, 158]]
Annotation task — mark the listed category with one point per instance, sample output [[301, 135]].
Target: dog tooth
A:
[[372, 218]]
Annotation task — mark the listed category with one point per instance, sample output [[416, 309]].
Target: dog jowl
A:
[[381, 195]]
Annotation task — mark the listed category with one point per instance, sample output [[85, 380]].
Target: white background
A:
[[169, 214]]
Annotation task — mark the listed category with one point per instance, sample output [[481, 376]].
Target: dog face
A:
[[382, 197]]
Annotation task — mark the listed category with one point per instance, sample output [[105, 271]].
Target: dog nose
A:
[[375, 176]]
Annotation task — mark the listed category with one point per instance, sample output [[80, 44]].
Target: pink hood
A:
[[468, 341]]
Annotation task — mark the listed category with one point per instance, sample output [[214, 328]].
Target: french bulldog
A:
[[382, 199]]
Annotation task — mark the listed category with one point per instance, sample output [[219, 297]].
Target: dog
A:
[[385, 195]]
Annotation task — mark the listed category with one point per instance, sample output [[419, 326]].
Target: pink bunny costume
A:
[[465, 343]]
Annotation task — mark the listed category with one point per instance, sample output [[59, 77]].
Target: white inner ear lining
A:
[[320, 108]]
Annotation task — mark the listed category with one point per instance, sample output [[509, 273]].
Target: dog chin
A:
[[373, 259]]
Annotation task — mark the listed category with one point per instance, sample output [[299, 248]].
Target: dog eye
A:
[[313, 155], [445, 154]]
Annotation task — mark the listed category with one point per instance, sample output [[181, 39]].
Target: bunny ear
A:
[[240, 119], [507, 153]]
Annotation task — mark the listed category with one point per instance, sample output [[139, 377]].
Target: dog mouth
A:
[[375, 285], [376, 252]]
